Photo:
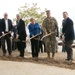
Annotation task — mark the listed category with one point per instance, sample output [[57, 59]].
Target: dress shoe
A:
[[4, 54], [36, 58], [69, 59]]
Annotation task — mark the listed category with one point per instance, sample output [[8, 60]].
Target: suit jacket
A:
[[0, 27], [68, 29], [3, 26], [21, 30]]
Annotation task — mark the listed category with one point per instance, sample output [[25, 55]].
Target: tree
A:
[[33, 11]]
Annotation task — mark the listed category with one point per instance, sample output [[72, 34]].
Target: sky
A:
[[56, 7]]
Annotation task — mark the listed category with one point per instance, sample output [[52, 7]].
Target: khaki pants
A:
[[50, 47]]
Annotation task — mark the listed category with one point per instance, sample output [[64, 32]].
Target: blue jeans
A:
[[63, 48]]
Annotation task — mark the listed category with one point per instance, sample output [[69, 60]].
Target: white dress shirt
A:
[[6, 23]]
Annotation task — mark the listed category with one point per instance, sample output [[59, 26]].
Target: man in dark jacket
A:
[[0, 33], [21, 35], [6, 26], [68, 32]]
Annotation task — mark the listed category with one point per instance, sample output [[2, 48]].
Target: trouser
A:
[[34, 47], [0, 43], [63, 47], [21, 46], [14, 45], [50, 43], [69, 49], [40, 46], [44, 47], [56, 45], [8, 40], [50, 47]]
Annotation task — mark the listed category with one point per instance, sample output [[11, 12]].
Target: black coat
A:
[[68, 29], [3, 25], [0, 27], [21, 30]]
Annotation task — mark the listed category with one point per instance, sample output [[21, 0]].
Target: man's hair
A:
[[65, 12], [5, 14], [18, 15]]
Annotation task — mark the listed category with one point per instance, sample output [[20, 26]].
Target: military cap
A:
[[48, 11]]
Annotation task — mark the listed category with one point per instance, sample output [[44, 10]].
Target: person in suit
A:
[[68, 32], [6, 26], [0, 33], [21, 35]]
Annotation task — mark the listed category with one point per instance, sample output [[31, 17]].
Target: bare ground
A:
[[59, 60]]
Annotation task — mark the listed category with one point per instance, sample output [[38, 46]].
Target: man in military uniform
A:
[[50, 25]]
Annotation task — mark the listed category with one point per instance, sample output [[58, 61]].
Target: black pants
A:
[[69, 50], [8, 40], [44, 47], [21, 46], [0, 43], [34, 47], [40, 46], [14, 45]]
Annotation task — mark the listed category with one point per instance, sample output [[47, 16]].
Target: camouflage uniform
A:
[[50, 25]]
